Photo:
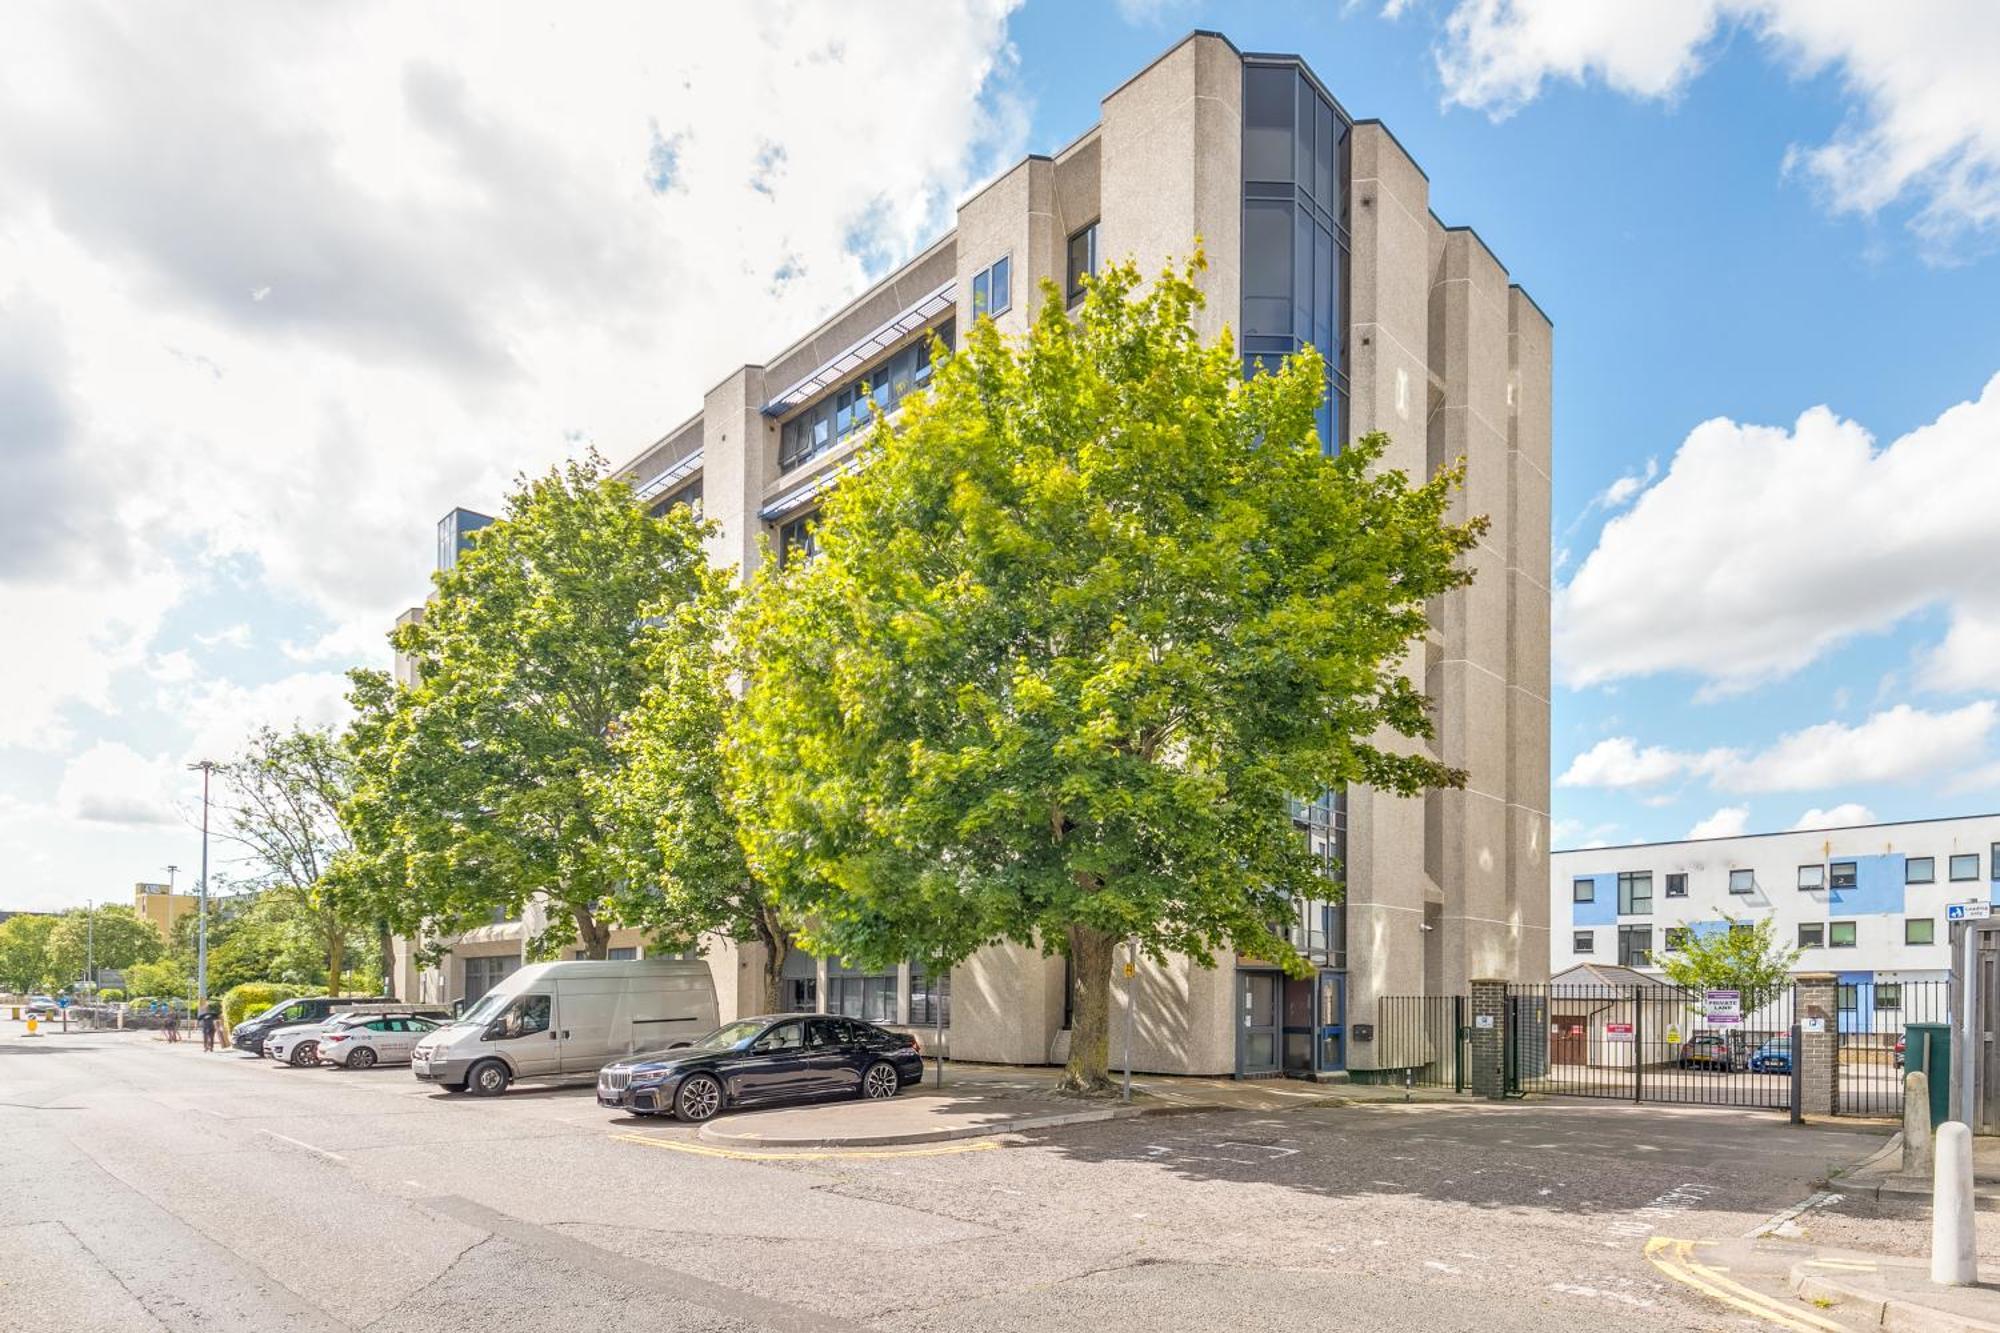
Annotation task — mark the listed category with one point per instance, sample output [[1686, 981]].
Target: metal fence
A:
[[1873, 1016], [1649, 1044], [1426, 1036]]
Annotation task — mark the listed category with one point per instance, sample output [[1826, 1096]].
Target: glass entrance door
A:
[[1330, 1046], [1257, 1033]]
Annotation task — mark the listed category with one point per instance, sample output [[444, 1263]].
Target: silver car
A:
[[362, 1041]]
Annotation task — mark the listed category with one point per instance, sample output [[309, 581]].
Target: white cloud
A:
[[1762, 548], [111, 783], [1622, 491], [401, 269], [1900, 744], [232, 636], [1845, 815], [220, 713], [1728, 822], [1923, 127]]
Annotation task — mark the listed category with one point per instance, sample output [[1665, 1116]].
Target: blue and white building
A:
[[1868, 903]]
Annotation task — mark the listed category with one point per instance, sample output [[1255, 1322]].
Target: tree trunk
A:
[[777, 942], [592, 934], [1088, 1071], [336, 961], [385, 956]]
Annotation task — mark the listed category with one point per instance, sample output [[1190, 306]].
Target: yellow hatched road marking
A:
[[1680, 1264], [818, 1154]]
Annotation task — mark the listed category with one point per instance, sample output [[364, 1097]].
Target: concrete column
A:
[[1488, 1074], [1917, 1158], [1819, 1052]]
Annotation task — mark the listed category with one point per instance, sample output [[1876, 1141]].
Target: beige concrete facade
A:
[[160, 905], [1441, 351]]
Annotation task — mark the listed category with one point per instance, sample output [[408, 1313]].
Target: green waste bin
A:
[[1927, 1047]]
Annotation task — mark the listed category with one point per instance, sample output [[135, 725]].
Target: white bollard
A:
[[1954, 1243]]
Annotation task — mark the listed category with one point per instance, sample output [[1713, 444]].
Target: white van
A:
[[564, 1021]]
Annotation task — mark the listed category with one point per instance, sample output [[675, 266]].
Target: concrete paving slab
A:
[[908, 1119], [1894, 1293]]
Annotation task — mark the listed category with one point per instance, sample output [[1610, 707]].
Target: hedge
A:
[[254, 997], [110, 995]]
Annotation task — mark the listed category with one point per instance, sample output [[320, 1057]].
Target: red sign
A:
[[1618, 1031]]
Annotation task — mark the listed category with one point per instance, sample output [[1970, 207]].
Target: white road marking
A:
[[331, 1156], [1778, 1223]]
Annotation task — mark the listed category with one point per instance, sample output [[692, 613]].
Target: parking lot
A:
[[151, 1186]]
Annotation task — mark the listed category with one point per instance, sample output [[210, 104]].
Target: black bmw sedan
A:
[[762, 1061]]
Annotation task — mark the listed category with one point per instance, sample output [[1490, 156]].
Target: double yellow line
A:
[[813, 1155], [1676, 1259]]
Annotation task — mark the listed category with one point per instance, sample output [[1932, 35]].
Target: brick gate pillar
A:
[[1817, 1002], [1488, 1054]]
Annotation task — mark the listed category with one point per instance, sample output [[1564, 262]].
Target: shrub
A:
[[254, 997], [111, 995]]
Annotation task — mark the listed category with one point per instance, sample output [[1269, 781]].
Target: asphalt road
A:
[[144, 1186]]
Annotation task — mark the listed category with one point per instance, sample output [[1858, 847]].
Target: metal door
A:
[[1257, 1033]]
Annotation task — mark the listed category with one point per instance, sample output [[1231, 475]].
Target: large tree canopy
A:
[[1093, 610], [477, 785]]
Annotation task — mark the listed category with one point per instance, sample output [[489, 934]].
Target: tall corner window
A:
[[1082, 262], [1919, 930], [1635, 893], [1812, 934], [1841, 874], [1965, 865], [1742, 881], [1583, 890], [1888, 995], [1920, 870], [992, 288], [1677, 886], [1583, 941], [1840, 934], [1812, 877]]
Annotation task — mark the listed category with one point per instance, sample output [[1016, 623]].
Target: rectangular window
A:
[[872, 998], [1584, 941], [796, 540], [1677, 938], [1812, 877], [1742, 928], [1920, 870], [800, 996], [1635, 893], [1847, 995], [1812, 934], [1840, 934], [1888, 995], [1919, 930], [1965, 865], [930, 999], [1583, 890], [991, 289], [1742, 881], [1677, 886], [1082, 261], [1841, 874], [1635, 946]]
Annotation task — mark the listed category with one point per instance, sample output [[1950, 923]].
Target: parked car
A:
[[564, 1021], [297, 1045], [759, 1061], [249, 1035], [1773, 1057], [42, 1006], [362, 1041], [1706, 1050]]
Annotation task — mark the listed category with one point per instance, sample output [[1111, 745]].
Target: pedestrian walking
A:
[[173, 1024], [208, 1019]]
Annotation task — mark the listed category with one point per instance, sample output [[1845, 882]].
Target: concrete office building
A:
[[1867, 903], [1318, 230]]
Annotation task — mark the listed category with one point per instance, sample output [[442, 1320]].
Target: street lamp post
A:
[[207, 768], [90, 945]]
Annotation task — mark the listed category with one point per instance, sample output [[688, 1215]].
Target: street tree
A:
[[479, 783], [684, 869], [110, 937], [1094, 609], [24, 953], [1740, 957], [280, 802]]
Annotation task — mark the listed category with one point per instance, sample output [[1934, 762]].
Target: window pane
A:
[[1841, 934], [982, 283], [1919, 930], [1322, 187], [1302, 157], [1920, 870], [1583, 890], [1812, 877], [1585, 941], [1267, 123], [1267, 270], [1000, 285], [1811, 935], [1965, 866]]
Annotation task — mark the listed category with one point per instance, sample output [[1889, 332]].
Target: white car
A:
[[297, 1045], [362, 1041]]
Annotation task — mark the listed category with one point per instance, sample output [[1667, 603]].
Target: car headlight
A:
[[650, 1078]]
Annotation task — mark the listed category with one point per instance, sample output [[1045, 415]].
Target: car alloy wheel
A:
[[700, 1097], [880, 1081], [361, 1058], [305, 1053]]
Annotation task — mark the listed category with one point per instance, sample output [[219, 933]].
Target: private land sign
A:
[[1722, 1008]]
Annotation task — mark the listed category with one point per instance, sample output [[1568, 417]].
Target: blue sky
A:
[[257, 333]]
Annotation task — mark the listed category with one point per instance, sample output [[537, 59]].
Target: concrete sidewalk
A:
[[1882, 1177], [1893, 1293], [982, 1100]]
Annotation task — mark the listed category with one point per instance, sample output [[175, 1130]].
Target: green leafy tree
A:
[[684, 868], [280, 800], [1095, 608], [164, 979], [112, 936], [1742, 957], [24, 953], [479, 784]]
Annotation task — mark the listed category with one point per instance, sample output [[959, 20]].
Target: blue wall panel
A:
[[1878, 888], [1861, 1018], [1604, 911]]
